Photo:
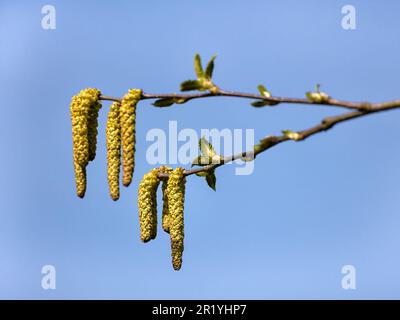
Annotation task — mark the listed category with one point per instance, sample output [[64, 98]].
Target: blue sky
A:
[[283, 232]]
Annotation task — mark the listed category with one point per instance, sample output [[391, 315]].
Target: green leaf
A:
[[317, 96], [211, 180], [197, 66], [201, 161], [206, 148], [201, 174], [263, 103], [165, 102], [189, 85], [264, 92], [210, 68]]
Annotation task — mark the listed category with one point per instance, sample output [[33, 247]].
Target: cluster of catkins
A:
[[121, 140], [173, 189], [120, 134]]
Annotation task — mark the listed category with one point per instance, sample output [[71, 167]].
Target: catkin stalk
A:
[[113, 140], [128, 133]]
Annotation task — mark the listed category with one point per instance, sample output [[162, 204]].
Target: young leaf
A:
[[201, 174], [197, 66], [264, 92], [189, 85], [210, 68], [211, 180], [263, 103], [206, 148], [165, 102], [201, 161], [317, 96]]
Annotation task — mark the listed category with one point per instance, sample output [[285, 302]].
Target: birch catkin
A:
[[128, 131], [113, 140], [165, 211], [84, 119], [176, 198], [92, 127], [147, 203]]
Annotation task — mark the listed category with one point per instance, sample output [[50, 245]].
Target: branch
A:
[[272, 141], [362, 106], [362, 109]]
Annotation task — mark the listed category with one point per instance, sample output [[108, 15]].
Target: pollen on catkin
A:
[[165, 211], [113, 141], [92, 127], [82, 118], [147, 203], [128, 133], [176, 199], [80, 179]]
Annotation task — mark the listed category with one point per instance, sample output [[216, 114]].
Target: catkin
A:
[[128, 133], [84, 120], [176, 198], [80, 179], [165, 211], [113, 140], [147, 203], [92, 128]]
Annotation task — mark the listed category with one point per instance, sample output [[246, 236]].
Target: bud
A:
[[92, 128]]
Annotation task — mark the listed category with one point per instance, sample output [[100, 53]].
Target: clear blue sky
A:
[[283, 232]]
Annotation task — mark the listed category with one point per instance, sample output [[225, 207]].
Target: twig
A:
[[361, 109]]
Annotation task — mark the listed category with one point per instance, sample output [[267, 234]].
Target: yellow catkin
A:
[[80, 180], [165, 211], [176, 199], [147, 203], [113, 140], [128, 132], [92, 127], [82, 119]]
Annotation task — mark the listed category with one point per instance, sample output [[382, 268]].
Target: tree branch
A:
[[362, 106], [361, 109]]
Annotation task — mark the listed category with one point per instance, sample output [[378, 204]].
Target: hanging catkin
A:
[[82, 118], [147, 203], [176, 198], [165, 212], [113, 139], [80, 179], [128, 130], [92, 127]]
